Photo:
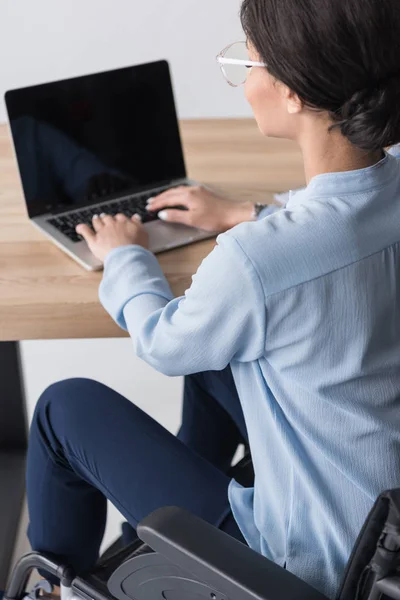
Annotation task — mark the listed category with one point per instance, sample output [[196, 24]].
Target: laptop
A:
[[101, 143]]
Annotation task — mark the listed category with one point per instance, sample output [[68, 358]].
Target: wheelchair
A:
[[177, 556]]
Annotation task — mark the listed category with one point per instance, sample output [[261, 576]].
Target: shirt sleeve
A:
[[220, 318]]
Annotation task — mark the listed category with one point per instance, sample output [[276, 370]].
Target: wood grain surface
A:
[[46, 295]]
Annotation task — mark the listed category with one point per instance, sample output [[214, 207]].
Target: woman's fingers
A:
[[181, 189], [106, 219], [85, 232], [121, 217], [97, 223], [169, 198], [175, 216]]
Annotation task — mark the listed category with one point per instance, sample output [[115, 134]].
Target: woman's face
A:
[[269, 100]]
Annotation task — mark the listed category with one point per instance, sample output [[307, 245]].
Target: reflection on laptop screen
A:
[[82, 139]]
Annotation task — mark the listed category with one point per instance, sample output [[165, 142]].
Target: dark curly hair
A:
[[341, 56]]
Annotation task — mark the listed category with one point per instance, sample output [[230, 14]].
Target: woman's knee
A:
[[70, 399]]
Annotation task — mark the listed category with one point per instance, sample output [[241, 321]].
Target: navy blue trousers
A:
[[88, 443]]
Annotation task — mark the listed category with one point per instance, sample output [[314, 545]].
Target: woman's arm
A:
[[205, 209], [219, 319]]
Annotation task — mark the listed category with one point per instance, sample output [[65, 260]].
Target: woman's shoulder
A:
[[283, 247], [315, 236]]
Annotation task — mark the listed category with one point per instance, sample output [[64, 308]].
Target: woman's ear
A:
[[293, 103]]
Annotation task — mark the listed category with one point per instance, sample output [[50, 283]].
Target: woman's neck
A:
[[327, 151]]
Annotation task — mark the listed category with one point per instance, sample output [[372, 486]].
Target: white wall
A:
[[42, 40]]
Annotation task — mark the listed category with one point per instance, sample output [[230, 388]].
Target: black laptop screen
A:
[[96, 136]]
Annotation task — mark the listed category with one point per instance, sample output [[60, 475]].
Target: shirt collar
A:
[[347, 182]]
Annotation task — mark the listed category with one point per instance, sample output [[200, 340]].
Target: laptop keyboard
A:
[[66, 223]]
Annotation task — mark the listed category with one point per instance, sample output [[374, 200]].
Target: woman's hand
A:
[[113, 232], [204, 208]]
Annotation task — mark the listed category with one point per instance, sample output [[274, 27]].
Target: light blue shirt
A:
[[305, 306]]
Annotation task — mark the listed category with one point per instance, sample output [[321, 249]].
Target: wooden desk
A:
[[45, 295]]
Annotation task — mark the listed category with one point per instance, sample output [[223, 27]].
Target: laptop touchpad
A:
[[165, 234]]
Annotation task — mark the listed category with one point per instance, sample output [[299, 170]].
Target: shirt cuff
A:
[[130, 272]]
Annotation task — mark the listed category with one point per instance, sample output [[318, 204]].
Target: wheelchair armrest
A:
[[219, 560]]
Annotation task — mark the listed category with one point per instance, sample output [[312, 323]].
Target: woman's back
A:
[[325, 433]]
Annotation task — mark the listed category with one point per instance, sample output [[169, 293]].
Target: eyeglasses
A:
[[235, 64]]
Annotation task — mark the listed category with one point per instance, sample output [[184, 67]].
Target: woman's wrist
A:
[[240, 213]]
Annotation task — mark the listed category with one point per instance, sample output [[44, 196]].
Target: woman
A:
[[289, 336]]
